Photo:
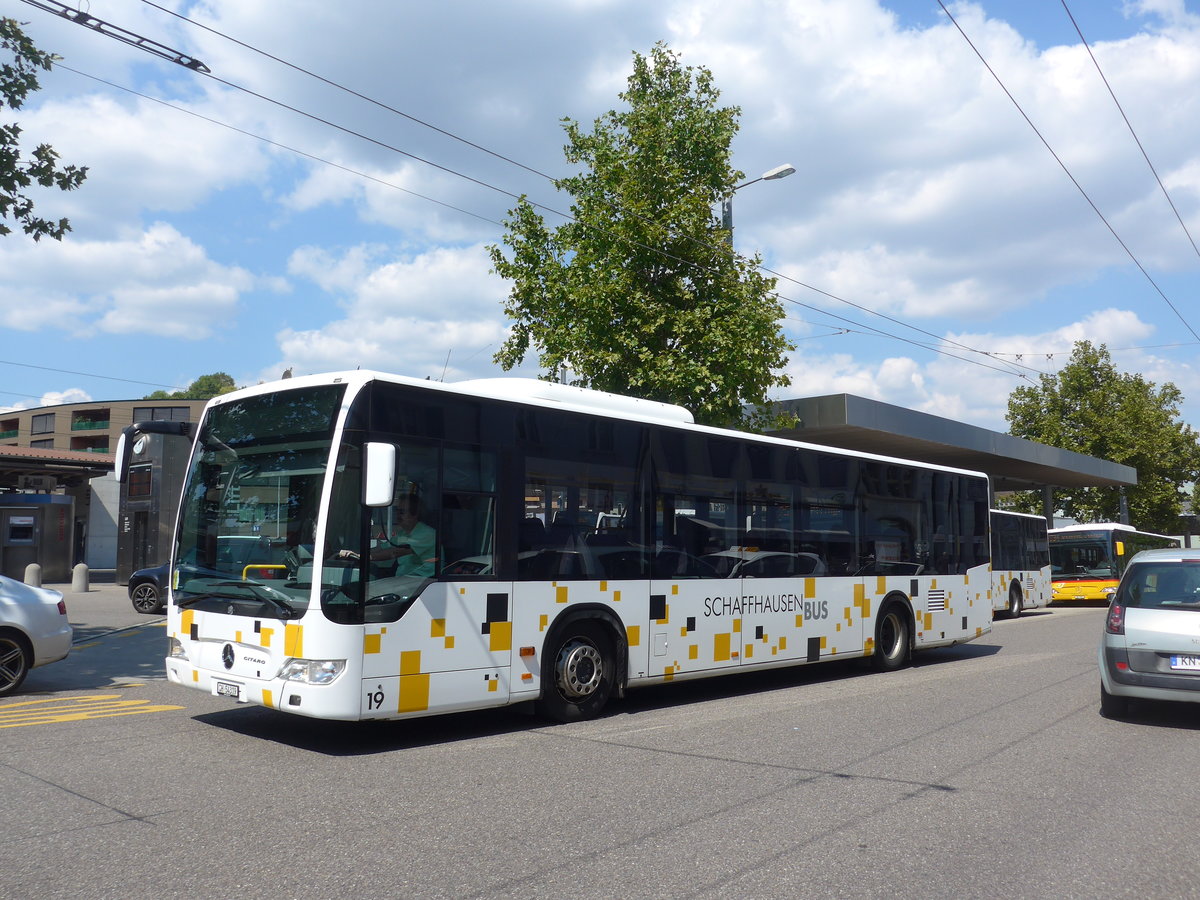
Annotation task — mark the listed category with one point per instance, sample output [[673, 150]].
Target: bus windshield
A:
[[1083, 556], [250, 503]]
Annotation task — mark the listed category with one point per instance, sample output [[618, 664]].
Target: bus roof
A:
[[534, 392], [1101, 526]]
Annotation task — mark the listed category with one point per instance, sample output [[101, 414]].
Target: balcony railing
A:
[[88, 425], [8, 434]]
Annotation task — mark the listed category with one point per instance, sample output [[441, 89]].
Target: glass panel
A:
[[250, 503]]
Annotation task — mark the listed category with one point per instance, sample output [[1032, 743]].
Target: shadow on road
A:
[[360, 738], [101, 660]]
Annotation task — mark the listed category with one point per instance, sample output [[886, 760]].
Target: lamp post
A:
[[727, 204]]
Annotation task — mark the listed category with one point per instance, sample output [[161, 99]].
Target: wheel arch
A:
[[901, 601], [20, 636], [612, 624]]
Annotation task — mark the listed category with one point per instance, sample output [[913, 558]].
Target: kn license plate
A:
[[1185, 663], [227, 689]]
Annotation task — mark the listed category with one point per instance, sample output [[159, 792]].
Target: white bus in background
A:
[[460, 546], [1020, 562]]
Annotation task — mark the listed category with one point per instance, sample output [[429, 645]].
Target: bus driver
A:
[[411, 543]]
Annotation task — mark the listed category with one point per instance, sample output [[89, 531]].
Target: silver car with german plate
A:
[[1151, 644]]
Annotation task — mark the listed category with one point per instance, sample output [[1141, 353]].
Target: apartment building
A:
[[88, 427]]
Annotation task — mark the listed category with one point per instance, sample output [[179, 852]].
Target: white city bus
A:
[[562, 545], [1020, 562]]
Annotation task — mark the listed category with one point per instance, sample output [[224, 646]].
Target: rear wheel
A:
[[15, 660], [146, 599], [578, 674], [1112, 706], [891, 639], [1014, 602]]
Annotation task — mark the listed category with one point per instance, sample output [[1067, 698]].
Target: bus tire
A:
[[579, 672], [1015, 604], [892, 638]]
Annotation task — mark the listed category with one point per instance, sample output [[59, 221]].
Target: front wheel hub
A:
[[579, 668]]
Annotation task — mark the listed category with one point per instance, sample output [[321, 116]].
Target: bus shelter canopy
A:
[[1013, 463]]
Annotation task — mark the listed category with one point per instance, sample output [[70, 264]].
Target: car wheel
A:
[[891, 639], [580, 673], [146, 599], [1014, 602], [15, 660], [1112, 706]]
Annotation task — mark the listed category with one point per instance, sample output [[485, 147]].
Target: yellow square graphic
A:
[[414, 693], [410, 662], [372, 643], [437, 628], [293, 640], [721, 647], [500, 637], [634, 635]]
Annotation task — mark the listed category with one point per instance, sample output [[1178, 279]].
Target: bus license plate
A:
[[225, 689], [1186, 663]]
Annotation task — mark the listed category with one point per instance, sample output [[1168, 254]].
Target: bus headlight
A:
[[175, 649], [312, 671]]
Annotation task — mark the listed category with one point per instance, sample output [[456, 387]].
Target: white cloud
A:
[[156, 282], [432, 314]]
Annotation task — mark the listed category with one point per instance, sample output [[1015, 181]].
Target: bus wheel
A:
[[580, 673], [891, 639], [1014, 602]]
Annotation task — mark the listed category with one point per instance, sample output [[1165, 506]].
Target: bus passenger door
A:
[[695, 621]]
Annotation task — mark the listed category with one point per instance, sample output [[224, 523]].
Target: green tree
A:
[[1090, 407], [203, 388], [640, 292], [18, 78]]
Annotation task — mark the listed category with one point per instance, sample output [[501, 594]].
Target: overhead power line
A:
[[511, 161], [116, 32], [1129, 125], [448, 170], [1067, 171]]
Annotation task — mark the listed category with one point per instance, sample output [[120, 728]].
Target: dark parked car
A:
[[148, 589]]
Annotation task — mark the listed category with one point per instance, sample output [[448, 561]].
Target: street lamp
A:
[[727, 204]]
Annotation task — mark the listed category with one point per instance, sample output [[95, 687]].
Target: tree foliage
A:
[[1091, 408], [640, 292], [18, 78], [203, 388]]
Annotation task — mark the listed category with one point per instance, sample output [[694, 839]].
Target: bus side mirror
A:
[[131, 434], [379, 473]]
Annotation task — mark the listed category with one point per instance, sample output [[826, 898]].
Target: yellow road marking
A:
[[73, 709]]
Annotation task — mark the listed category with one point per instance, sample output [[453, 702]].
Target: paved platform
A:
[[102, 608]]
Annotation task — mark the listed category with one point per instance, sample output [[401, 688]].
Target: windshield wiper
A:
[[259, 592], [265, 594]]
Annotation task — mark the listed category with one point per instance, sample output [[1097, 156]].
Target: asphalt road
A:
[[983, 771]]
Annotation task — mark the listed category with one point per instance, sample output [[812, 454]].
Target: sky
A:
[[969, 200]]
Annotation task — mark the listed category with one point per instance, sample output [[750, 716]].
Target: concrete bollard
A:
[[33, 575], [79, 579]]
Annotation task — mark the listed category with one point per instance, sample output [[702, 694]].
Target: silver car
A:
[[1151, 644], [33, 631]]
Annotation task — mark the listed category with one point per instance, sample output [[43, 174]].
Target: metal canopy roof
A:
[[1014, 464], [68, 467]]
